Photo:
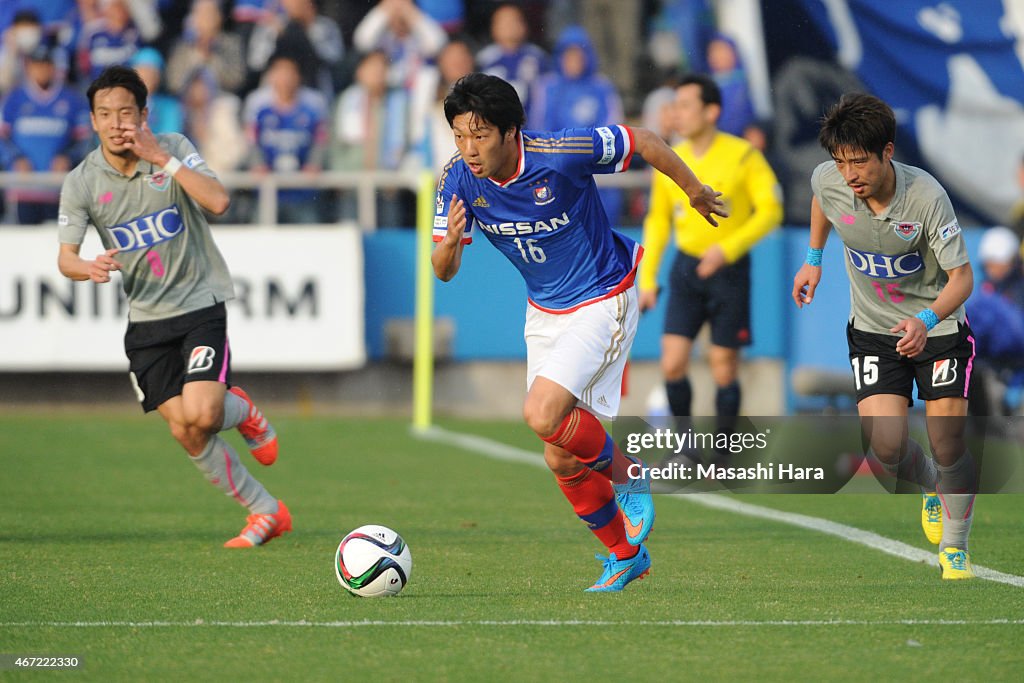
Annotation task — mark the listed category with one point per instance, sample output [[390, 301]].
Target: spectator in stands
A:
[[726, 67], [511, 57], [206, 44], [286, 126], [449, 14], [113, 38], [44, 126], [371, 133], [19, 39], [1017, 213], [614, 28], [576, 95], [165, 114], [432, 141], [408, 37], [212, 119], [658, 111], [85, 13], [996, 312], [311, 39]]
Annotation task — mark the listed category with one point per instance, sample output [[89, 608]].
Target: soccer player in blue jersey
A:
[[533, 195]]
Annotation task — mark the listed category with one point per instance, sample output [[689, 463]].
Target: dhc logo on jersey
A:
[[885, 266], [145, 231]]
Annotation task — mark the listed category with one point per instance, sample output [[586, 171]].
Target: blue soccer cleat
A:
[[617, 573], [637, 504]]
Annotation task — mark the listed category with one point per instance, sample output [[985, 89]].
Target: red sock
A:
[[593, 501], [582, 435]]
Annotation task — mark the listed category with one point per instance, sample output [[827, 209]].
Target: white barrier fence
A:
[[364, 184], [299, 302]]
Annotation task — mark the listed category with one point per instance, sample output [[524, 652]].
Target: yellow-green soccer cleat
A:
[[931, 517], [955, 564]]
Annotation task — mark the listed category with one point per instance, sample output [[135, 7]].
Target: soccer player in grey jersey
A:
[[145, 194], [909, 278]]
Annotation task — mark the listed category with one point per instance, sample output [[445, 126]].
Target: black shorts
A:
[[942, 370], [164, 354], [723, 299]]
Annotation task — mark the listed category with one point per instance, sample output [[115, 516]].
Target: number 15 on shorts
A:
[[865, 370]]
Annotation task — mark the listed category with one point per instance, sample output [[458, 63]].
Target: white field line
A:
[[677, 623], [500, 451]]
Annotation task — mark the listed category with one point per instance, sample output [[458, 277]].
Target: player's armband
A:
[[814, 256]]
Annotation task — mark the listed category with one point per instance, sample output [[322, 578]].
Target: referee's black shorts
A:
[[723, 300]]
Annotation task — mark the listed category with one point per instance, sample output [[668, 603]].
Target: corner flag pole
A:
[[423, 358]]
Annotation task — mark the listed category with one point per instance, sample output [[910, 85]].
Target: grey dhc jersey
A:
[[171, 263], [896, 261]]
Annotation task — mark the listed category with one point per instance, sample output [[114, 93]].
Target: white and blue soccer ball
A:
[[373, 561]]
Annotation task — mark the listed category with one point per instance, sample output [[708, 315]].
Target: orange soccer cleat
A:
[[261, 528], [257, 432]]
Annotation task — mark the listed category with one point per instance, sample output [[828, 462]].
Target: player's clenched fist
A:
[[104, 264], [456, 220]]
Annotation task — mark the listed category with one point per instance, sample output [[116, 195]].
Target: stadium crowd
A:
[[353, 85]]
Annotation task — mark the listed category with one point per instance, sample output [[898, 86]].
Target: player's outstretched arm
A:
[[447, 255], [703, 198], [207, 191], [73, 266], [809, 275]]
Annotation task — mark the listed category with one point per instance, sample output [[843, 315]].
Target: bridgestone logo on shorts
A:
[[943, 372], [201, 359]]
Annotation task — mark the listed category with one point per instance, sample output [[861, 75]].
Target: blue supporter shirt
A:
[[286, 137], [547, 219], [39, 125]]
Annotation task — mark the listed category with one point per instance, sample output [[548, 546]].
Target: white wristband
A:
[[172, 166]]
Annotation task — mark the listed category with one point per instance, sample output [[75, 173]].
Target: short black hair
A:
[[488, 97], [858, 121], [710, 93], [118, 76]]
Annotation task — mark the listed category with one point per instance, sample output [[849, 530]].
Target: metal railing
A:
[[364, 183]]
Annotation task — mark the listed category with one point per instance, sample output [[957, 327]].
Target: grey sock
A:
[[220, 465], [235, 411], [914, 466], [957, 484]]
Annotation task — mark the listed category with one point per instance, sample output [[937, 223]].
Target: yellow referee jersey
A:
[[732, 166]]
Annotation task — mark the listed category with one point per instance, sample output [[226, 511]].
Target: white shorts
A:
[[584, 351]]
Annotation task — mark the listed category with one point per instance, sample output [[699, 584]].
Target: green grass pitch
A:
[[104, 521]]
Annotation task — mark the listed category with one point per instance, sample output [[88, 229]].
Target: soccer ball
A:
[[373, 561]]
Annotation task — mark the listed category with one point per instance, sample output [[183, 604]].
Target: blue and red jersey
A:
[[547, 219]]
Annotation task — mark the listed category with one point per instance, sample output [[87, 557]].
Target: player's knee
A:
[[674, 369], [205, 418], [541, 419], [190, 438], [886, 451]]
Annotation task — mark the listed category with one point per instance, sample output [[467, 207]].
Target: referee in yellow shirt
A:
[[710, 278]]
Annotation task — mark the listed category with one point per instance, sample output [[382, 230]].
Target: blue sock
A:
[[727, 400], [680, 396]]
